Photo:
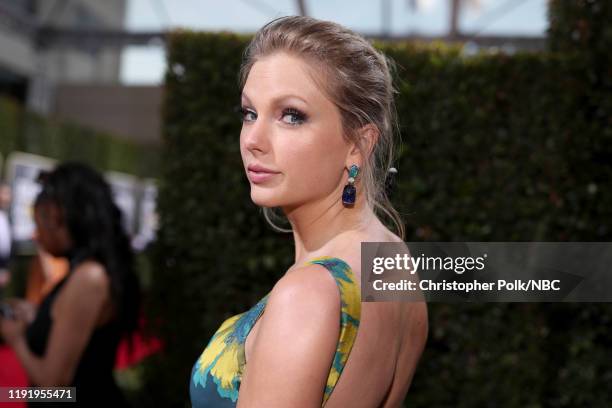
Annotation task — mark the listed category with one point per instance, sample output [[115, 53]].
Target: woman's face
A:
[[291, 142], [51, 231]]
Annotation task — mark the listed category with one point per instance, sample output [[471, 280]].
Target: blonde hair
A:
[[356, 77]]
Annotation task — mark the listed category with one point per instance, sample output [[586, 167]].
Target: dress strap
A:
[[350, 315]]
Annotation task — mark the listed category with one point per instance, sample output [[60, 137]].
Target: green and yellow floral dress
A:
[[216, 375]]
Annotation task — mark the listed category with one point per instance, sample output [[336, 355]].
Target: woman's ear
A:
[[360, 151]]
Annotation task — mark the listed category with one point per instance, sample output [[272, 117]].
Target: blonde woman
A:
[[316, 142]]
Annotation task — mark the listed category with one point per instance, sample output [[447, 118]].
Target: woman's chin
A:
[[264, 198]]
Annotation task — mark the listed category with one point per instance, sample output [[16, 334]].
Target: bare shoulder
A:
[[294, 347], [85, 293], [90, 276], [304, 305], [307, 289]]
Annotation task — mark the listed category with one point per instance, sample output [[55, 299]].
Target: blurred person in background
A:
[[5, 236], [44, 272], [71, 338]]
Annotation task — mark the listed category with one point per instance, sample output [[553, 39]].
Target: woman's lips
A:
[[258, 177]]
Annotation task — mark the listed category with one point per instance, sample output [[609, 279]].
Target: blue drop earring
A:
[[349, 193]]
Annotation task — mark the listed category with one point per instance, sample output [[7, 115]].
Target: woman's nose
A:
[[255, 136]]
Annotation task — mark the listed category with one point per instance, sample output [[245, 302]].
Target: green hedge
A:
[[495, 147], [28, 132], [581, 25]]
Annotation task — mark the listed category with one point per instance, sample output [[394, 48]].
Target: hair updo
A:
[[357, 79]]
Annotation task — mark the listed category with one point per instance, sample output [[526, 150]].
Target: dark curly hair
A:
[[94, 223]]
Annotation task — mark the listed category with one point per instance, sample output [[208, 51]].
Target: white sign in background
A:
[[22, 171], [148, 219]]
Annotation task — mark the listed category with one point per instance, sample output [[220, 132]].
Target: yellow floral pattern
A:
[[216, 375]]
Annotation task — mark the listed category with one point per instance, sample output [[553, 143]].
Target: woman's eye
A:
[[247, 115], [293, 117]]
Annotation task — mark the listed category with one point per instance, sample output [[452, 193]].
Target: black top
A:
[[93, 379]]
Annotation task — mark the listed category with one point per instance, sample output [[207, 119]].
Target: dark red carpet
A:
[[12, 373]]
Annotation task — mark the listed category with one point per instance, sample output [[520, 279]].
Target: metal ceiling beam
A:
[[17, 20], [52, 37], [49, 36], [531, 43]]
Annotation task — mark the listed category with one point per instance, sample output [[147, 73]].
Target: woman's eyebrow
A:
[[245, 97], [277, 99], [282, 98]]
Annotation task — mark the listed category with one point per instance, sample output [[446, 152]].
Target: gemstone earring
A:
[[349, 192]]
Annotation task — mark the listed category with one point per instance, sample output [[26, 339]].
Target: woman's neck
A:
[[315, 225]]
